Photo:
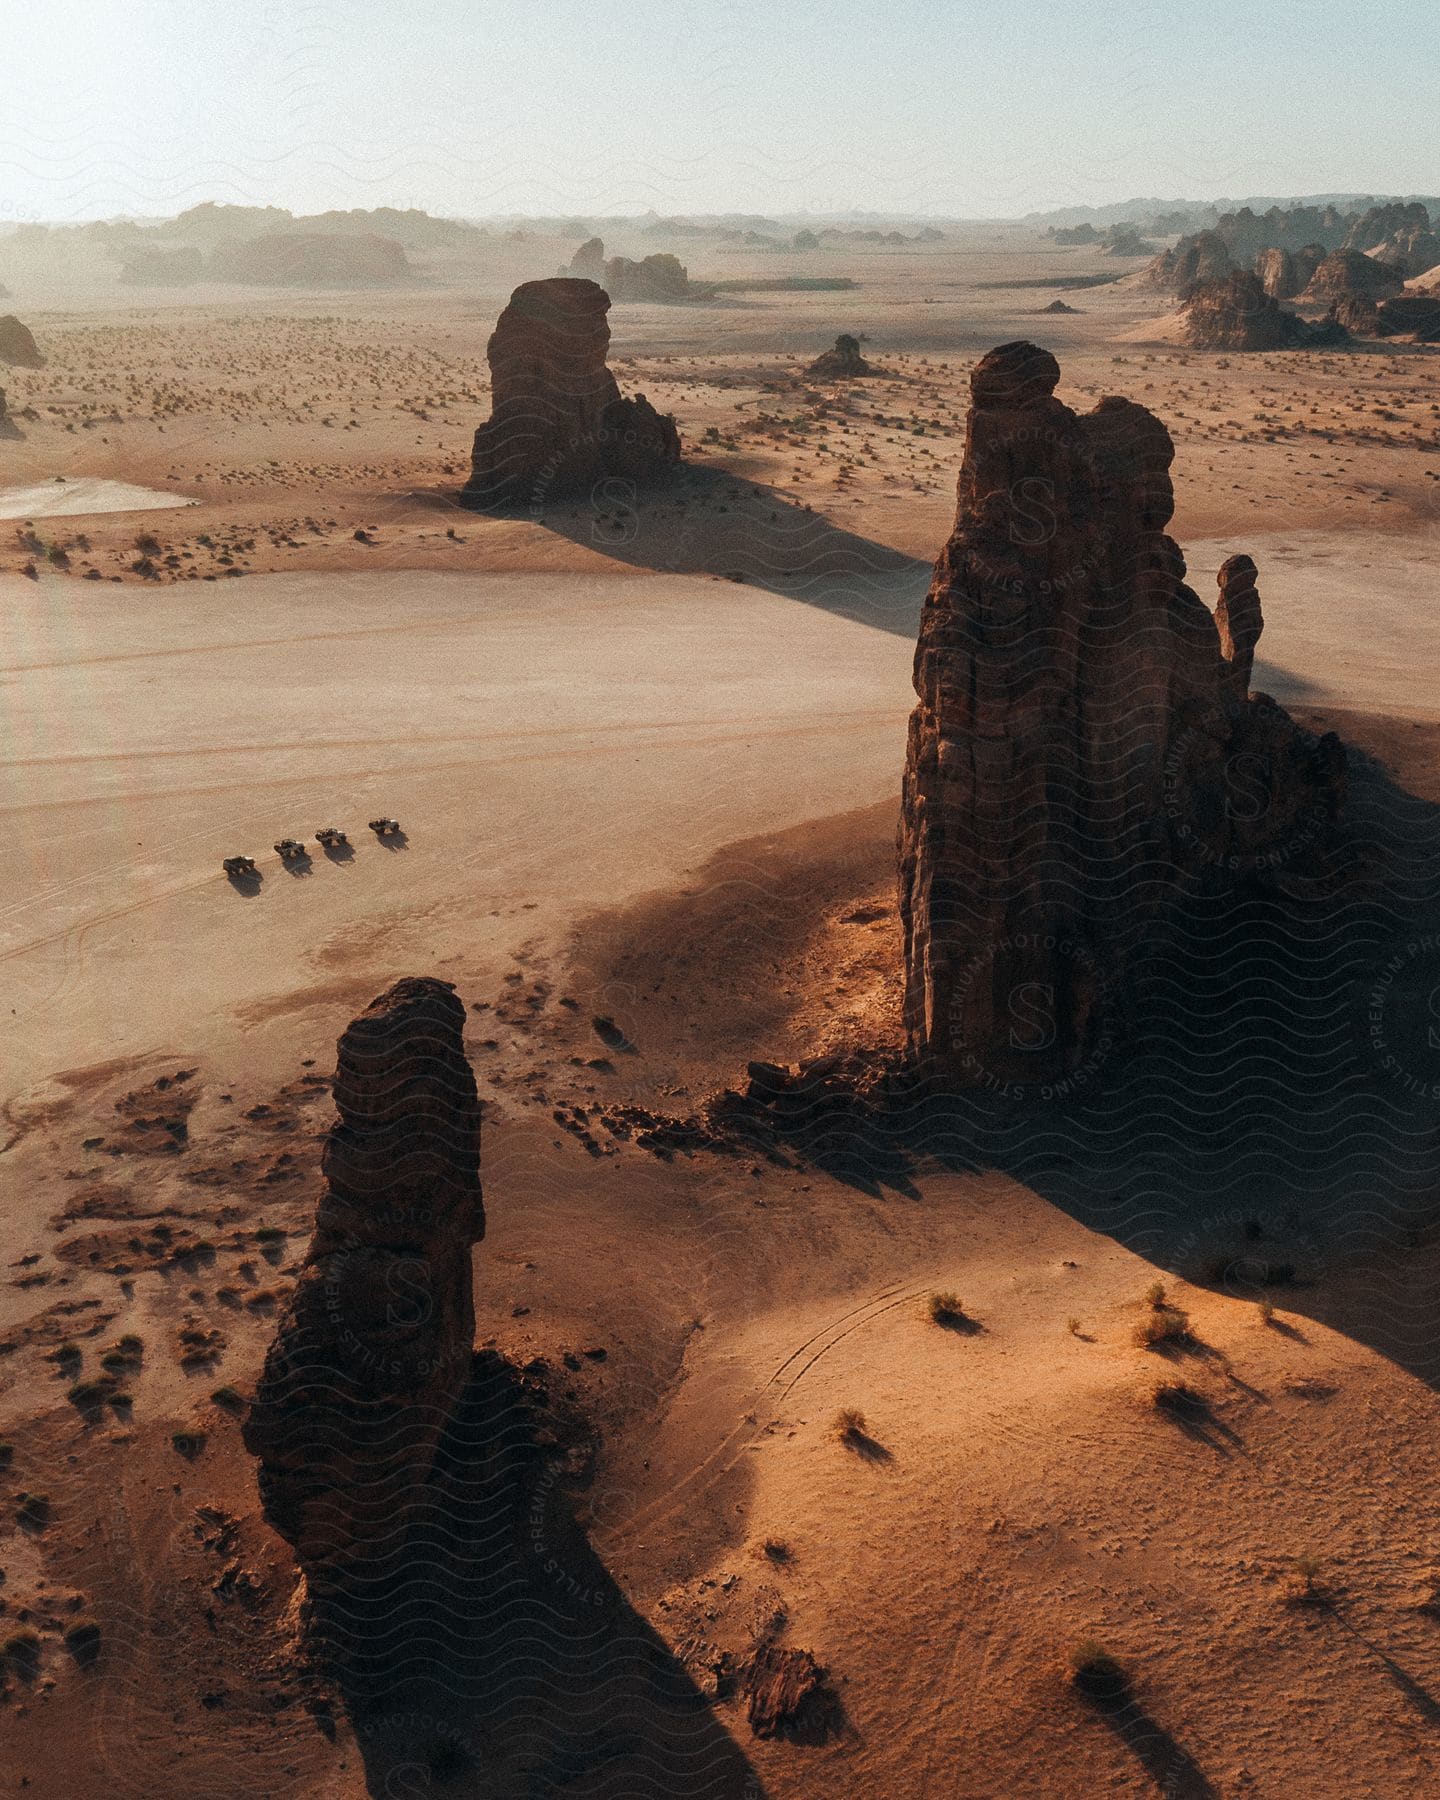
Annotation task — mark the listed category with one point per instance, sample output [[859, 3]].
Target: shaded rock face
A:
[[558, 423], [1409, 315], [1286, 273], [17, 346], [1399, 234], [1085, 747], [1238, 314], [844, 361], [1276, 269], [1203, 257], [374, 1347], [1351, 274]]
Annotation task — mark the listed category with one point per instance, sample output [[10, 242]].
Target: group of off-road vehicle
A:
[[288, 849]]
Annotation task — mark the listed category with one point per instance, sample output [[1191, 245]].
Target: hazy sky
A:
[[923, 106]]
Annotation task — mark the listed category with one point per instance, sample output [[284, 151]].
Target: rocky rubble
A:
[[558, 422], [374, 1348], [1082, 718]]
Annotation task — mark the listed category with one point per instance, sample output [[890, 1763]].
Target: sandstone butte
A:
[[558, 422], [374, 1348], [1082, 718]]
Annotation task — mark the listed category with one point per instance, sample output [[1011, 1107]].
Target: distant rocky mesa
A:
[[658, 277], [17, 346], [1399, 234], [558, 422], [1285, 248], [1236, 313], [1081, 712], [374, 1347]]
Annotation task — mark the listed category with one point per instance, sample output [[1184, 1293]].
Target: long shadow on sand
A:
[[494, 1656], [705, 522], [1169, 1765], [1268, 1121]]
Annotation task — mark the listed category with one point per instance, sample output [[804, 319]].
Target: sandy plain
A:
[[646, 752]]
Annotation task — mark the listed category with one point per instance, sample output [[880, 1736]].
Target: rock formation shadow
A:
[[704, 522], [1169, 1765], [1265, 1116], [491, 1654]]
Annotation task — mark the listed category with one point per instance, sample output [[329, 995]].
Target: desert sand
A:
[[645, 751]]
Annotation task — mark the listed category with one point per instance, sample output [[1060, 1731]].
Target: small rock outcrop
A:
[[1081, 717], [1126, 241], [659, 277], [374, 1347], [1238, 314], [17, 346], [1239, 621], [1352, 275], [843, 362], [558, 422]]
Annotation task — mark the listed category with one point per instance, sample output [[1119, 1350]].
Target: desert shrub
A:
[[89, 1394], [944, 1309], [21, 1649], [1306, 1568], [1180, 1400], [82, 1640], [847, 1424], [1165, 1325], [231, 1399], [1155, 1294]]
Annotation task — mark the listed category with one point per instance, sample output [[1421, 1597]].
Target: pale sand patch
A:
[[85, 495]]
